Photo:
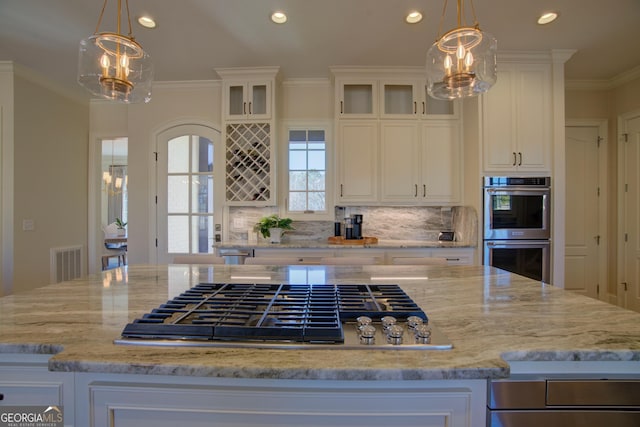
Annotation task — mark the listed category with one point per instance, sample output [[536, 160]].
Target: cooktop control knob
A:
[[413, 321], [368, 335], [423, 334], [394, 334], [387, 322]]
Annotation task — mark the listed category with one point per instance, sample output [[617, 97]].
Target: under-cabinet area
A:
[[448, 256]]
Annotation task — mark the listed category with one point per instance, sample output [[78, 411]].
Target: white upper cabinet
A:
[[357, 159], [420, 163], [247, 93], [517, 120], [400, 99], [247, 100], [356, 98]]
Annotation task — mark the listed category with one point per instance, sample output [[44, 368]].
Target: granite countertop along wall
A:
[[316, 244], [490, 316]]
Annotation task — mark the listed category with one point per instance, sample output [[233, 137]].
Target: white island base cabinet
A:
[[135, 401]]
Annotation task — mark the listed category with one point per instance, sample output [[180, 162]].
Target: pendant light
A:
[[114, 66], [462, 62]]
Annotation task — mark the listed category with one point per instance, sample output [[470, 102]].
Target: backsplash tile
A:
[[385, 223]]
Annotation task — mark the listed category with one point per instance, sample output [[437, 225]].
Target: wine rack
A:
[[248, 163]]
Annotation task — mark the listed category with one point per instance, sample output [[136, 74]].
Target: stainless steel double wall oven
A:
[[517, 225]]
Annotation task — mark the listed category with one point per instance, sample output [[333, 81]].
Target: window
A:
[[190, 222], [307, 171]]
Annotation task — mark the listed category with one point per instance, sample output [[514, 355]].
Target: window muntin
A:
[[307, 170], [190, 188]]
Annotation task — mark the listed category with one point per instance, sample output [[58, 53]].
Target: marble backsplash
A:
[[385, 223]]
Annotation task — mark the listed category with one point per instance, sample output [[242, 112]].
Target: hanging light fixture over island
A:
[[114, 66], [462, 62]]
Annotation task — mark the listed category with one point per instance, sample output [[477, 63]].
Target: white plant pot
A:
[[122, 232], [276, 235]]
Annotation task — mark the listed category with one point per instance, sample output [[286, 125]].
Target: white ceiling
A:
[[195, 36]]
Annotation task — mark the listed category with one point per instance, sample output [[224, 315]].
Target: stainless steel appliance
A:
[[285, 316], [562, 402], [529, 258], [517, 225], [517, 208]]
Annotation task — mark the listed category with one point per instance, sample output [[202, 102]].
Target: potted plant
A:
[[273, 227], [121, 227]]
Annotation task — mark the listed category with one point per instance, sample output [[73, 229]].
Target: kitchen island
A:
[[63, 335]]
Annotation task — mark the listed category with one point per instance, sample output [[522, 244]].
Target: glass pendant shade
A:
[[462, 63], [114, 66]]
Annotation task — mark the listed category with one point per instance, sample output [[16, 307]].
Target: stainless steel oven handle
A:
[[541, 190], [529, 243]]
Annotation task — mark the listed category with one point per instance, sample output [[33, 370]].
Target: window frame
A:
[[283, 198]]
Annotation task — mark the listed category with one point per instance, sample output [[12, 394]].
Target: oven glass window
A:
[[523, 261], [517, 211]]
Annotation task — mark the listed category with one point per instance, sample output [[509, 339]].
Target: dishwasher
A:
[[563, 402]]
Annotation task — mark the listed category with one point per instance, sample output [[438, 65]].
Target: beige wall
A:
[[50, 185], [607, 104], [171, 104]]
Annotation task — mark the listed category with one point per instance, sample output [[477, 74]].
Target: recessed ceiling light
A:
[[279, 17], [547, 18], [413, 17], [147, 22]]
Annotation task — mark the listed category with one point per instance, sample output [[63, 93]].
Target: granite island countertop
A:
[[492, 317], [324, 244]]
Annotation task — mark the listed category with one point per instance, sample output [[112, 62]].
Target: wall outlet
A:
[[239, 223], [28, 225]]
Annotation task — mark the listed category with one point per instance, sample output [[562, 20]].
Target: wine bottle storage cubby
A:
[[248, 162]]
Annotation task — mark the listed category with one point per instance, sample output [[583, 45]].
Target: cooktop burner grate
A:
[[271, 312]]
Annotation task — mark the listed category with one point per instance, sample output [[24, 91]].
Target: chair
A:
[[121, 254], [419, 261], [197, 259], [273, 261], [118, 250], [348, 261]]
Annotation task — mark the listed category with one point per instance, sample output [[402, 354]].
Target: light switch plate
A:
[[28, 225]]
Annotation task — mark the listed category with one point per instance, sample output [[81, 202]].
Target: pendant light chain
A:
[[104, 7]]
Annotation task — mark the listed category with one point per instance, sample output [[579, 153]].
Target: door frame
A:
[[603, 202], [620, 298], [95, 235], [172, 130]]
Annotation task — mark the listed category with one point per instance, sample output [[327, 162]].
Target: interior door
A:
[[630, 211], [582, 234], [189, 191]]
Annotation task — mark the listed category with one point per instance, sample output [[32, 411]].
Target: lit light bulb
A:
[[460, 51], [105, 63], [124, 64], [468, 60], [118, 182], [448, 63]]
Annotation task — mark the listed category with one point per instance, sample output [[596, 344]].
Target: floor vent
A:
[[66, 263]]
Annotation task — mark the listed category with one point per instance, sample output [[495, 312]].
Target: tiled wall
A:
[[385, 223]]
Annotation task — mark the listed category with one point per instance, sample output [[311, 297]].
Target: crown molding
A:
[[307, 82], [605, 84]]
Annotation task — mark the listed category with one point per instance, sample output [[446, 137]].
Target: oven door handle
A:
[[511, 190], [529, 243]]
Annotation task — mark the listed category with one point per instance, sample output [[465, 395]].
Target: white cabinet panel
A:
[[26, 380], [518, 117], [325, 403], [357, 161], [399, 161], [442, 162]]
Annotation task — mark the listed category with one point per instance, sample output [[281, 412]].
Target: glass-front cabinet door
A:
[[357, 99], [247, 100], [399, 99]]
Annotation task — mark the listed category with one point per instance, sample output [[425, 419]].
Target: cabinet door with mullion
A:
[[399, 99]]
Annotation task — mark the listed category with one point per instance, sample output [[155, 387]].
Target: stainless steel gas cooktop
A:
[[288, 316]]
